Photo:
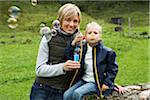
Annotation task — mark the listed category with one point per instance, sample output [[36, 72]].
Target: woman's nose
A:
[[71, 23]]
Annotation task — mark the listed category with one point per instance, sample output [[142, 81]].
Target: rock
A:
[[145, 95], [133, 92], [133, 87], [145, 86]]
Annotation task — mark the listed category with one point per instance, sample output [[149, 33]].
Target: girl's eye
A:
[[95, 33], [90, 33]]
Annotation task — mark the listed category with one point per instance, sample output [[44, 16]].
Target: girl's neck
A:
[[92, 44]]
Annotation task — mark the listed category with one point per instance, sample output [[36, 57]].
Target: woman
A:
[[53, 72]]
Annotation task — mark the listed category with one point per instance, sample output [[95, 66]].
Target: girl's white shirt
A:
[[88, 76]]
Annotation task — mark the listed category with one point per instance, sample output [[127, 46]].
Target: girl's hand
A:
[[77, 39], [120, 89], [104, 87]]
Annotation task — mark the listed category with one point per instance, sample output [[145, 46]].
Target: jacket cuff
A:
[[108, 83]]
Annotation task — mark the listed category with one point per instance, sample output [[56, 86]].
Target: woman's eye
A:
[[68, 19], [75, 21]]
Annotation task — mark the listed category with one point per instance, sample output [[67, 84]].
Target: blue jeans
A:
[[44, 92], [80, 89]]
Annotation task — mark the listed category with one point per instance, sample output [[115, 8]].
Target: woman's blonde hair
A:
[[68, 10]]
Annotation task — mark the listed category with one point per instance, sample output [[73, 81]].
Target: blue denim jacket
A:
[[105, 67]]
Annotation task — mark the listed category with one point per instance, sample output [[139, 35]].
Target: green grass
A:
[[17, 67], [18, 55], [134, 64]]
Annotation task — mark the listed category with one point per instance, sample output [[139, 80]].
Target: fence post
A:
[[129, 26]]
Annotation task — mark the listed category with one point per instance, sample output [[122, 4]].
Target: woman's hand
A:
[[77, 39], [71, 65]]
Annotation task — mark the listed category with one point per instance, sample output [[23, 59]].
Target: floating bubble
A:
[[56, 24], [46, 32], [42, 25], [34, 2], [12, 23], [14, 11], [53, 32]]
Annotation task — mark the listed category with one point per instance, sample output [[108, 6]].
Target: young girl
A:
[[98, 66], [53, 71]]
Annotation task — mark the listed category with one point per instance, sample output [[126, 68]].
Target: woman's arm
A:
[[42, 68]]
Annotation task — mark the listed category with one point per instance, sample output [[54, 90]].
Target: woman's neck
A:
[[62, 31], [65, 33]]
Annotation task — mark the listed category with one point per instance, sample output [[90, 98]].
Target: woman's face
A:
[[70, 24]]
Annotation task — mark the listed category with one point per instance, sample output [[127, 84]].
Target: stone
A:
[[145, 95], [145, 86], [133, 92], [133, 87]]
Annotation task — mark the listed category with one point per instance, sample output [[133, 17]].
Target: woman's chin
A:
[[70, 32]]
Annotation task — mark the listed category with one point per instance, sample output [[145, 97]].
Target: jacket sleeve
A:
[[111, 69]]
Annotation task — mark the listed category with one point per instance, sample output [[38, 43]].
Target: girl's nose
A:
[[92, 33]]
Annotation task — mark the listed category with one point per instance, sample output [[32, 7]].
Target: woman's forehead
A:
[[70, 14], [72, 17]]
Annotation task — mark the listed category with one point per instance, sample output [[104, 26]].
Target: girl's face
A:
[[69, 25], [92, 35]]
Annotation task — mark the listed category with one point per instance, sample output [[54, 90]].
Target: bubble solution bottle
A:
[[77, 53]]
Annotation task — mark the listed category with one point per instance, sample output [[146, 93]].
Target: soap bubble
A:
[[53, 32], [46, 32], [56, 24], [12, 23], [42, 25], [34, 2], [14, 11]]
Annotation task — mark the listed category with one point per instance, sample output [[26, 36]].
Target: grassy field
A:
[[18, 55]]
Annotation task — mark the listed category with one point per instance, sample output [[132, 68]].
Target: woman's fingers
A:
[[71, 65]]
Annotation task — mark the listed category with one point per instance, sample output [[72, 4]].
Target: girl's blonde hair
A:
[[94, 24], [68, 10]]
